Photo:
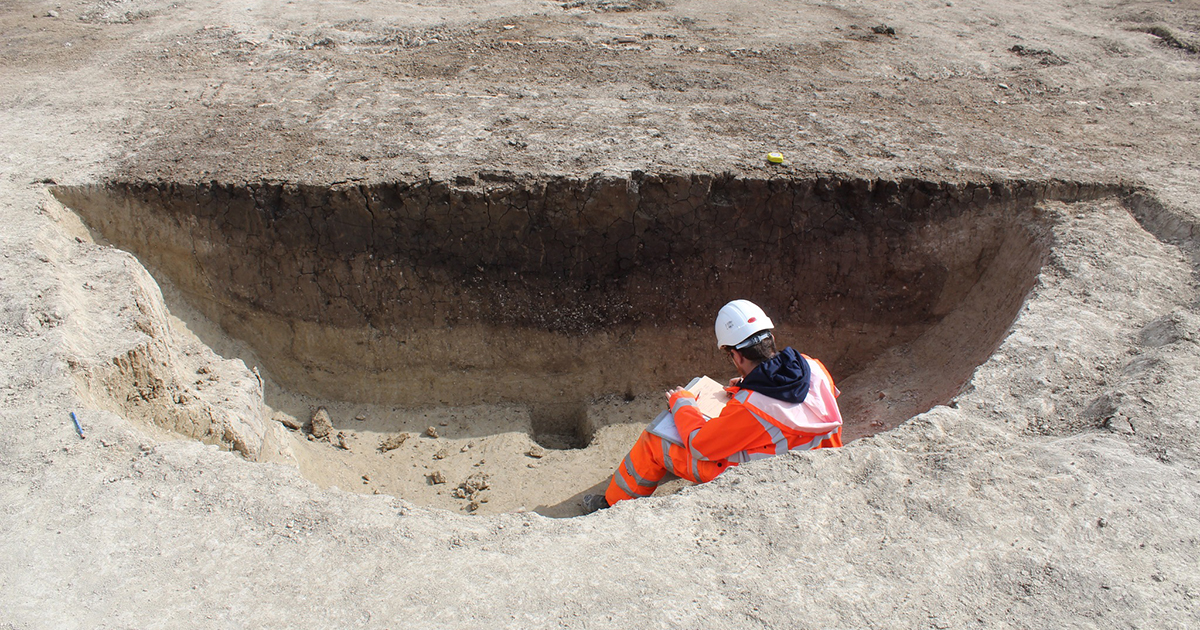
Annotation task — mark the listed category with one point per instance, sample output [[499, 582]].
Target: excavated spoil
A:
[[551, 292]]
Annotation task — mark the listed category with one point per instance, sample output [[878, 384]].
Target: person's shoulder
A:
[[818, 372], [801, 356]]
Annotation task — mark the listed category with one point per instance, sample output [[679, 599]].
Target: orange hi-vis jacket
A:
[[754, 426], [751, 426]]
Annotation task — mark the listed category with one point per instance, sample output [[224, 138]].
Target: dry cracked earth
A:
[[353, 301]]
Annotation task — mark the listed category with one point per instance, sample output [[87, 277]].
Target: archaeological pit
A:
[[495, 342]]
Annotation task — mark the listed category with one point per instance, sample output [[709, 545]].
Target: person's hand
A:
[[735, 381], [672, 393]]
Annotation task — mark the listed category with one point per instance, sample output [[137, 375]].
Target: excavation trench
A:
[[568, 304]]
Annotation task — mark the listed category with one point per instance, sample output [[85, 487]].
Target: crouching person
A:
[[781, 401]]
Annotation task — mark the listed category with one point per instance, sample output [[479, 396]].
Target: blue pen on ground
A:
[[78, 428]]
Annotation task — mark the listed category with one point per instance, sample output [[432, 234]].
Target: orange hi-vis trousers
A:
[[650, 459]]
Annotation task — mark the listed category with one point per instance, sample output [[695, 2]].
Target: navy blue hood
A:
[[784, 376]]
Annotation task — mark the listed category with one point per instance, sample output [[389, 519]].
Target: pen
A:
[[77, 427]]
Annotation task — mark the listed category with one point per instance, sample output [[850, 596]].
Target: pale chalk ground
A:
[[1059, 490]]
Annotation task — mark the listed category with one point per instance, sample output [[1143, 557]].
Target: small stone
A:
[[366, 477], [341, 441], [286, 420], [1119, 424], [431, 432], [311, 438], [392, 442], [436, 477], [472, 489], [536, 451], [1003, 86], [52, 13], [360, 417], [321, 423], [441, 454], [472, 506], [465, 448]]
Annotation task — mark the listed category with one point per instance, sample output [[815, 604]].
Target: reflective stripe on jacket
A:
[[753, 426]]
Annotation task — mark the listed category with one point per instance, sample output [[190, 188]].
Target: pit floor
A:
[[488, 456]]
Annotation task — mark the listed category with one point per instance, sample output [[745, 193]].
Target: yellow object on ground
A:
[[775, 158]]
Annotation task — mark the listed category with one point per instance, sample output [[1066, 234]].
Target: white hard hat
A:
[[740, 320]]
